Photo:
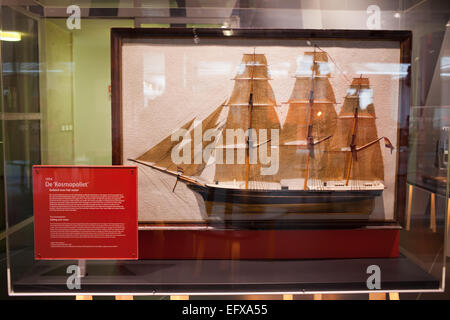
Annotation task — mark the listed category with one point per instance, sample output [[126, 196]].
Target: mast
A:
[[251, 107], [355, 155], [352, 154], [249, 137], [309, 138], [309, 123]]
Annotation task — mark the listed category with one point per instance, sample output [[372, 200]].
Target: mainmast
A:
[[309, 123], [309, 137]]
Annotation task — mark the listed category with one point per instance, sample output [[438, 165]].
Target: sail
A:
[[250, 81], [252, 76], [357, 118], [160, 155], [323, 91], [262, 94], [253, 66], [311, 104], [201, 155]]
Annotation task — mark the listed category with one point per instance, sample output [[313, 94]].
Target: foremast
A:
[[251, 108]]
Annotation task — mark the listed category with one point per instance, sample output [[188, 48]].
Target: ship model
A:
[[326, 163]]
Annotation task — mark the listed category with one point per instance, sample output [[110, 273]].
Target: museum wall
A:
[[56, 93], [78, 106], [92, 104]]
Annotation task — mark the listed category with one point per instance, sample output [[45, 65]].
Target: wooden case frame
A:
[[404, 38]]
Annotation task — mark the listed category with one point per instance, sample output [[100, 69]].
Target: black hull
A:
[[219, 201]]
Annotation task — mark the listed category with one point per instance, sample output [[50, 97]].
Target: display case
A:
[[236, 153], [244, 161]]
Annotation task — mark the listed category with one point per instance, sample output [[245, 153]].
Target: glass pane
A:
[[56, 110]]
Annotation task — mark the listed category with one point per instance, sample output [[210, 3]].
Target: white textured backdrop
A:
[[164, 86]]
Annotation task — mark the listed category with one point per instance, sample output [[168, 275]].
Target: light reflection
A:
[[324, 68], [305, 63], [154, 83], [351, 91], [241, 69], [33, 67], [445, 62], [228, 33], [10, 36], [365, 98], [399, 70], [214, 68], [279, 69]]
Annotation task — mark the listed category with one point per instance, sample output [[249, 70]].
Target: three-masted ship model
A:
[[325, 163]]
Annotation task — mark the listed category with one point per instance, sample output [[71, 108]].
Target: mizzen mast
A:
[[249, 137], [352, 156], [355, 158]]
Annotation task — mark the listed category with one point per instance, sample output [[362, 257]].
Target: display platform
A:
[[162, 277], [268, 244]]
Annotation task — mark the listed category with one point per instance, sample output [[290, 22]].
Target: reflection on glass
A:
[[445, 67], [10, 36], [21, 109], [154, 76], [215, 68], [397, 70]]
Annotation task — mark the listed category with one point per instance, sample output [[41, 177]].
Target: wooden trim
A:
[[433, 212], [403, 131], [377, 296], [116, 97], [409, 208], [404, 38], [394, 296], [179, 297], [124, 297], [280, 34]]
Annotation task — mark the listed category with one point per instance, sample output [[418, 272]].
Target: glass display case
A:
[[262, 148]]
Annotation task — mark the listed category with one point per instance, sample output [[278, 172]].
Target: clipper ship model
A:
[[328, 163]]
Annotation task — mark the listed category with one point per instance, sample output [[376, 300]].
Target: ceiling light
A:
[[10, 36]]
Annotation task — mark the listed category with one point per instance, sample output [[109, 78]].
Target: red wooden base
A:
[[268, 244]]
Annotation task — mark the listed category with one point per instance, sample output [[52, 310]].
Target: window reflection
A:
[[397, 70], [445, 67], [154, 76]]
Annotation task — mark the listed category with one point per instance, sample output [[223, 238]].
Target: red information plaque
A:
[[85, 212]]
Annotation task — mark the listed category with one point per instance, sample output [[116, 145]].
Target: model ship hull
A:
[[219, 201]]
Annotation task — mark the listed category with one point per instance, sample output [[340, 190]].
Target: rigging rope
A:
[[334, 62]]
